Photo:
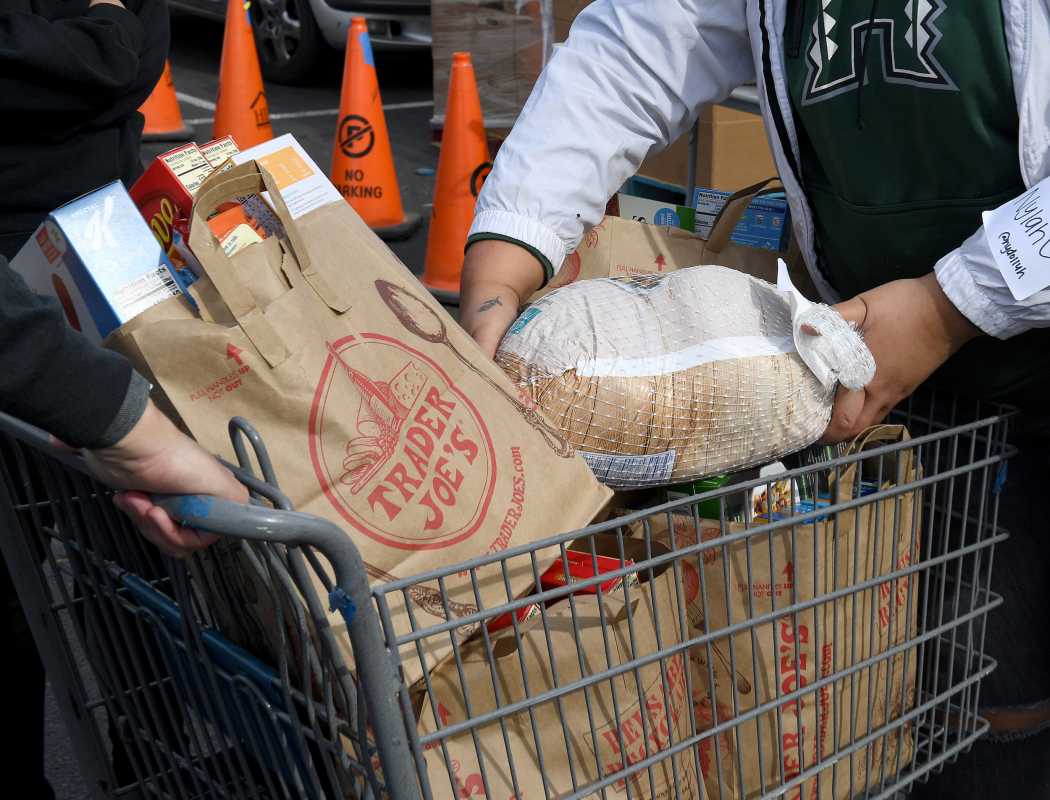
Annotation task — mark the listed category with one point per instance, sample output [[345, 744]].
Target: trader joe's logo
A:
[[399, 451]]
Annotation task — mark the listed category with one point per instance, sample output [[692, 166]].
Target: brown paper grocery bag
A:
[[379, 412], [758, 665], [617, 248], [531, 745]]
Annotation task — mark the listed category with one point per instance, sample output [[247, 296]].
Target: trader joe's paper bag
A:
[[793, 651], [620, 248], [379, 412], [609, 728]]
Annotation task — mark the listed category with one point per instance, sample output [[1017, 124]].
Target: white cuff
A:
[[959, 286], [523, 229]]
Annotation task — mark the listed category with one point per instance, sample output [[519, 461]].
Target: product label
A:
[[1018, 234], [239, 238], [527, 316], [144, 292], [400, 452], [219, 151], [303, 186], [614, 470], [189, 165]]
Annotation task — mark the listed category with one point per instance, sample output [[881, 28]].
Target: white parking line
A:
[[197, 102], [319, 112]]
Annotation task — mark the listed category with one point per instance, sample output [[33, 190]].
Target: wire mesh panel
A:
[[159, 703], [817, 634]]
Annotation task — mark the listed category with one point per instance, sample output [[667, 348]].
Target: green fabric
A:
[[548, 269], [897, 173]]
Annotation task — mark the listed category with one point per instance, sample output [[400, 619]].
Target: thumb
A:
[[854, 310]]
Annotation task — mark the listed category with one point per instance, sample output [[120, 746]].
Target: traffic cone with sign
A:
[[163, 115], [462, 168], [362, 161], [241, 110]]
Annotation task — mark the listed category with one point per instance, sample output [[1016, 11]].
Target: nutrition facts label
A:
[[144, 292], [189, 165]]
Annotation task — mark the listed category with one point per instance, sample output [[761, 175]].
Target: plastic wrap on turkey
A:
[[660, 379]]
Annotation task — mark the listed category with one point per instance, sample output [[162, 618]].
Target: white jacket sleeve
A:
[[973, 282], [631, 78]]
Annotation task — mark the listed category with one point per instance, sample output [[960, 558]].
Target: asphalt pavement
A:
[[309, 112]]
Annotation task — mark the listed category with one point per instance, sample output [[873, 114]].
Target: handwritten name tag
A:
[[1018, 234]]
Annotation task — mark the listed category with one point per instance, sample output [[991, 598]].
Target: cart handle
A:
[[260, 523], [351, 596]]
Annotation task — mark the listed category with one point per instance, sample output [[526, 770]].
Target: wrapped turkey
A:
[[664, 378]]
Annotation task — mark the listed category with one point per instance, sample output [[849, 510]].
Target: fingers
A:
[[157, 527], [853, 413], [846, 416]]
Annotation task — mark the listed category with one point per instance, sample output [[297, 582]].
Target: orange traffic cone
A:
[[241, 110], [462, 168], [362, 161], [163, 115]]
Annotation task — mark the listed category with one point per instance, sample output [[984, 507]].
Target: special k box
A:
[[98, 258], [380, 413]]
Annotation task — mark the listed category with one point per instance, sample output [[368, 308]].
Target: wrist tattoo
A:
[[492, 302]]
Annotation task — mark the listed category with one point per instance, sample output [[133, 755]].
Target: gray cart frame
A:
[[160, 703]]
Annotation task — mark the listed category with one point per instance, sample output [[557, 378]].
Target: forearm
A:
[[497, 278], [630, 80], [54, 378]]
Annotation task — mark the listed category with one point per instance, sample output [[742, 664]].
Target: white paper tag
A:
[[626, 471], [1018, 234]]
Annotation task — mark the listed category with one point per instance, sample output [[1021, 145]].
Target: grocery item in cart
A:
[[97, 257], [664, 378], [382, 415], [602, 729], [754, 576]]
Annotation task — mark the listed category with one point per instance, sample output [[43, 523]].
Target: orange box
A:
[[164, 196]]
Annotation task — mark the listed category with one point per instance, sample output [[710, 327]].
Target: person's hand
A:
[[911, 328], [497, 277], [156, 457]]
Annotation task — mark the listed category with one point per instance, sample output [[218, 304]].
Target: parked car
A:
[[292, 35]]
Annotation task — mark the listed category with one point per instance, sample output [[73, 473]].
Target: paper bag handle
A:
[[246, 179], [877, 434], [733, 211]]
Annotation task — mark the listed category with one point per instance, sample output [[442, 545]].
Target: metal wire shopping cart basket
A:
[[603, 683]]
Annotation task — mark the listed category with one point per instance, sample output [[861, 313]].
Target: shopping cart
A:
[[160, 703]]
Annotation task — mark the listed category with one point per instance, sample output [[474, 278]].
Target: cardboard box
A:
[[164, 196], [732, 152], [508, 41], [98, 257], [564, 13], [766, 223], [655, 212], [219, 151]]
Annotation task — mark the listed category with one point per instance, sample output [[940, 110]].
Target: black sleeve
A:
[[72, 70], [54, 378]]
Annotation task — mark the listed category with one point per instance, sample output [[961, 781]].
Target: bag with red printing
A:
[[380, 413], [590, 733]]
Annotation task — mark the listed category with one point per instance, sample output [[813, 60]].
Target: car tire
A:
[[288, 39]]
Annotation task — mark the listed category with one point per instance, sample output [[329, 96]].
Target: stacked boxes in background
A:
[[508, 41], [511, 40]]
